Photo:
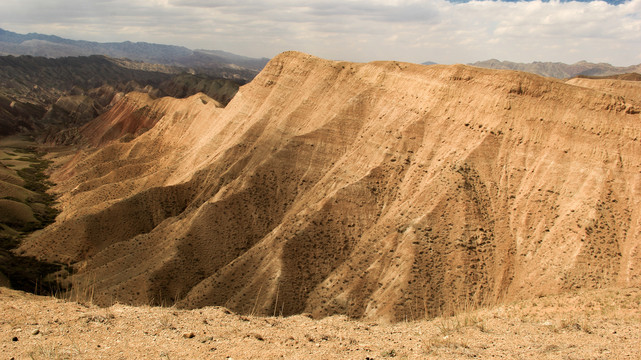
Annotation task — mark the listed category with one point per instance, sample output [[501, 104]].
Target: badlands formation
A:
[[383, 191]]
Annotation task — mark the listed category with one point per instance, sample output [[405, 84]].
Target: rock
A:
[[206, 339]]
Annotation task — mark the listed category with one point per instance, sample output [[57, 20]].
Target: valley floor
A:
[[595, 324]]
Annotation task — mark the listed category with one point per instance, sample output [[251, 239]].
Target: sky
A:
[[355, 30]]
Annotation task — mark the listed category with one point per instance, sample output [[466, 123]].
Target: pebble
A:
[[206, 339], [189, 335], [35, 332]]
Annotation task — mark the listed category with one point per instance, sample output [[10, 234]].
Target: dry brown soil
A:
[[596, 324]]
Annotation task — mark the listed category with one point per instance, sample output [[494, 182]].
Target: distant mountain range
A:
[[211, 62], [242, 69], [560, 70]]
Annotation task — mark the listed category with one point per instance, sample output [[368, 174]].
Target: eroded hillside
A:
[[381, 190]]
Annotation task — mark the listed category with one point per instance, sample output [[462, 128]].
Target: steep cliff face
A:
[[380, 190]]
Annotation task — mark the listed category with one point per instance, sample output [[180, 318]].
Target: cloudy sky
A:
[[357, 30]]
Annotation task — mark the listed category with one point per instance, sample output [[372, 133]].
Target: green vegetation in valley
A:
[[25, 206]]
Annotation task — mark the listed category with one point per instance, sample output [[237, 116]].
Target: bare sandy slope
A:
[[382, 190], [601, 324]]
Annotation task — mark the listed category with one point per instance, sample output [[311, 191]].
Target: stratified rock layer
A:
[[381, 190]]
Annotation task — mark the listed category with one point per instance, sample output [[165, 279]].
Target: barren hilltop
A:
[[385, 191]]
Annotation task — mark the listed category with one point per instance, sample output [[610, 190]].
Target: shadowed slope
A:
[[380, 190]]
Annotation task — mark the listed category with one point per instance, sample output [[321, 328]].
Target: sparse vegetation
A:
[[50, 352]]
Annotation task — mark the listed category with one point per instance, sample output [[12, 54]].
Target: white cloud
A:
[[356, 30]]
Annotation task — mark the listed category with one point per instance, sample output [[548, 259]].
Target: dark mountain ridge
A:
[[211, 62]]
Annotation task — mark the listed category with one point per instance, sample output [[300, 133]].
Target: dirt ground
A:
[[596, 324]]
